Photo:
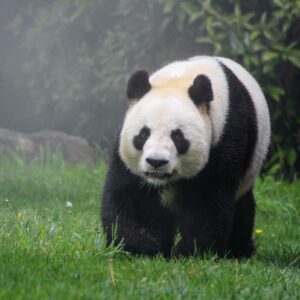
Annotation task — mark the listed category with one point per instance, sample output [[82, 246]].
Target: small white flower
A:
[[69, 204], [6, 200]]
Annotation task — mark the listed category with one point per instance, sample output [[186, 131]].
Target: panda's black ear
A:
[[201, 91], [138, 85]]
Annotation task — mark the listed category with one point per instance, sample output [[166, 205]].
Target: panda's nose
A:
[[156, 163]]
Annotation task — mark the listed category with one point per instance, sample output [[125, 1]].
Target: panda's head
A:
[[166, 134]]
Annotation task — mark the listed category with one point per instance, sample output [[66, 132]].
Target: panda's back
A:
[[262, 119]]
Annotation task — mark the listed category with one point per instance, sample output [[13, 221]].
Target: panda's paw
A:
[[183, 249], [244, 251], [141, 243]]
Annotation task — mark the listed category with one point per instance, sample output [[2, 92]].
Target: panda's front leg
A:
[[138, 222], [121, 226], [204, 223]]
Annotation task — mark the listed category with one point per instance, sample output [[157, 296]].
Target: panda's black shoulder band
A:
[[138, 85], [201, 90]]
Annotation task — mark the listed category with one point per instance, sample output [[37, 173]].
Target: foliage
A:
[[49, 249], [77, 55]]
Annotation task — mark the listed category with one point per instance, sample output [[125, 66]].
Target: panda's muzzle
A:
[[156, 163], [156, 175]]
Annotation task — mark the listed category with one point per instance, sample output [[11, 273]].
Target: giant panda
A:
[[194, 138]]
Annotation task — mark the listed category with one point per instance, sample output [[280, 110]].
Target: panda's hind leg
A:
[[241, 242]]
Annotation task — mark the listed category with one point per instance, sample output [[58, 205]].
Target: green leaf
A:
[[189, 8], [275, 169], [269, 55], [268, 34], [236, 43], [291, 157], [263, 19], [195, 16], [246, 61], [286, 27], [257, 46], [294, 57], [294, 60], [168, 7], [278, 3], [237, 10], [254, 59], [275, 92], [248, 26], [203, 40], [268, 69]]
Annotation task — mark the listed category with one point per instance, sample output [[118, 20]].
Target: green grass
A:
[[50, 251]]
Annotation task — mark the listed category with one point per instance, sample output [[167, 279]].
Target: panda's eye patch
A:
[[182, 145], [177, 135], [144, 133], [140, 139]]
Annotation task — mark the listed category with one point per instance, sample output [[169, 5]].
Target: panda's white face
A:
[[165, 137]]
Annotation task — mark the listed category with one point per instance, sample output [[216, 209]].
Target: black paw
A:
[[243, 251]]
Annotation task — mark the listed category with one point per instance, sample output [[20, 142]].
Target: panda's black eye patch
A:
[[182, 145], [140, 139]]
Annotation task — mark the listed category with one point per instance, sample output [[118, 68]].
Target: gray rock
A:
[[14, 141], [73, 149]]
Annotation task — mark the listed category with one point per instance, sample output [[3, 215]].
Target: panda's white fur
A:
[[167, 106]]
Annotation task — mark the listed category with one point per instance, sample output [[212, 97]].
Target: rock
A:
[[74, 149], [14, 141]]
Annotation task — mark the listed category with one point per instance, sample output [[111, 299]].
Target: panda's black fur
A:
[[205, 211]]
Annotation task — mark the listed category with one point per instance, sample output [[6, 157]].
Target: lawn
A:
[[50, 251]]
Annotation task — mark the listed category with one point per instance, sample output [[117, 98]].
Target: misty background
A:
[[64, 64]]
